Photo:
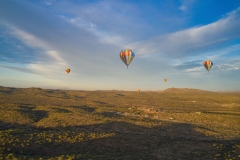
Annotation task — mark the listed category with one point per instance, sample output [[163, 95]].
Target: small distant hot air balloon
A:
[[67, 70], [165, 79], [138, 90], [127, 56], [208, 64]]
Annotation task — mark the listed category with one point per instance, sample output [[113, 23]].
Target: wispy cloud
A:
[[197, 66], [58, 44], [193, 41], [119, 22], [230, 66], [18, 68], [224, 59], [48, 3], [47, 59], [186, 4], [105, 20], [51, 56], [189, 65], [103, 35]]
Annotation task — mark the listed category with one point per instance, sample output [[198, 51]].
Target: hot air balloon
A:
[[165, 79], [127, 56], [67, 70], [208, 64], [138, 90]]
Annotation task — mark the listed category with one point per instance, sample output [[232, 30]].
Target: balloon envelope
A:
[[208, 64], [67, 70], [165, 80], [127, 56]]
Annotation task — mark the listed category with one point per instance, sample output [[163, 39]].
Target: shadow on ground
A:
[[116, 140], [36, 115]]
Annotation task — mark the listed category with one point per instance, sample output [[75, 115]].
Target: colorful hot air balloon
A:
[[208, 64], [165, 80], [138, 90], [127, 56], [67, 70]]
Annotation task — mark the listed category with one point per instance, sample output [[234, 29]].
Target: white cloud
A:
[[80, 22], [50, 59], [230, 66], [103, 35], [183, 7], [224, 59], [27, 38], [48, 3], [193, 41], [105, 19], [186, 4], [196, 69]]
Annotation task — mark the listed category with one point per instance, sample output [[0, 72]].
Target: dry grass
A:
[[40, 123]]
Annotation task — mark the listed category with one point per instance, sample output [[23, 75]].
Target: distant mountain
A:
[[169, 90], [183, 90], [11, 89], [234, 91]]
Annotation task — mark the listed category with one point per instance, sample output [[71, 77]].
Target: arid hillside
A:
[[177, 123]]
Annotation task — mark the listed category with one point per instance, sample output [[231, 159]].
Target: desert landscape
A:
[[177, 123], [119, 80]]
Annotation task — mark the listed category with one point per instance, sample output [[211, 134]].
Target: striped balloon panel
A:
[[208, 64], [127, 56]]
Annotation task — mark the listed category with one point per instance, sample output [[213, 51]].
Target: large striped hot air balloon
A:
[[127, 56], [208, 64]]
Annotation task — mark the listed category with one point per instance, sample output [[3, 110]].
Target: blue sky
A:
[[170, 39]]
